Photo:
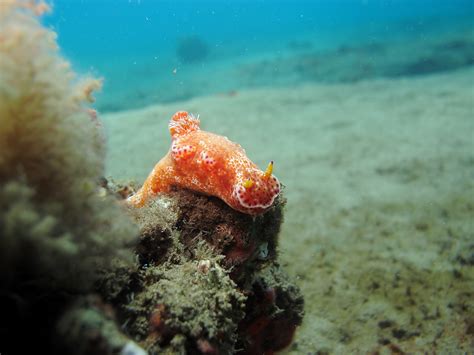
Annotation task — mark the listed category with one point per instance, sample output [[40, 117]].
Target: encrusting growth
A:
[[211, 164]]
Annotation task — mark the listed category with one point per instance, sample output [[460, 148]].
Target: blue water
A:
[[132, 43]]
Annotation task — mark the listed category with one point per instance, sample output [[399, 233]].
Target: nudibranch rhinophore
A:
[[210, 164]]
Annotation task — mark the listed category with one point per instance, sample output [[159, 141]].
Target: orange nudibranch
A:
[[210, 164]]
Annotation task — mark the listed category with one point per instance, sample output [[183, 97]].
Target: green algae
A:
[[58, 234], [199, 304]]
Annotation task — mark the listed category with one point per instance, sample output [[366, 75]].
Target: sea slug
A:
[[211, 164]]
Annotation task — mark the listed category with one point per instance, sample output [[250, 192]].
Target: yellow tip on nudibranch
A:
[[248, 183], [269, 170]]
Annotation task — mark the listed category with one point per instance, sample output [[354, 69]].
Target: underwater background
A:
[[366, 109], [228, 45]]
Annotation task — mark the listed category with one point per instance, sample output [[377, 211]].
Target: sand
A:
[[379, 179]]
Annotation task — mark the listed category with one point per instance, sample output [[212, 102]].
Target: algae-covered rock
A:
[[208, 281], [245, 241], [273, 311], [201, 303]]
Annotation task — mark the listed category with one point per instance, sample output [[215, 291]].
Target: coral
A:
[[192, 49], [211, 164]]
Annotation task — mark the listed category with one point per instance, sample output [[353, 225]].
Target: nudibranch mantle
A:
[[210, 164]]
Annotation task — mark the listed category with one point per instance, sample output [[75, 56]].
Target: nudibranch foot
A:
[[159, 180]]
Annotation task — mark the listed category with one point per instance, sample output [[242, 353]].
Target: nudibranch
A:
[[210, 164]]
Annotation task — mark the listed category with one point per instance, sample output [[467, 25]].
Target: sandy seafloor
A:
[[379, 179]]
